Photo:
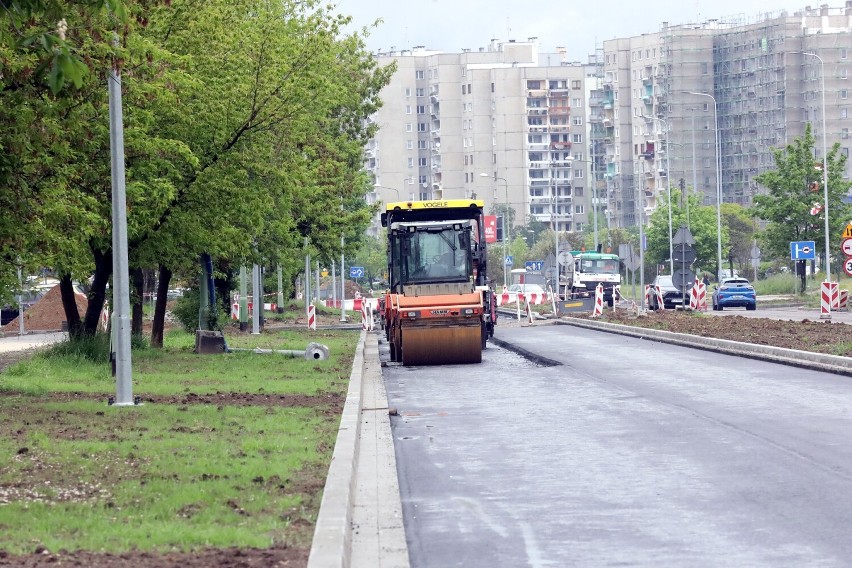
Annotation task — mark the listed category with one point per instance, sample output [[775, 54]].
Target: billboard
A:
[[490, 228]]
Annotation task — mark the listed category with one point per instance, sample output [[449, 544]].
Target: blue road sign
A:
[[356, 271], [802, 250], [534, 265], [508, 260]]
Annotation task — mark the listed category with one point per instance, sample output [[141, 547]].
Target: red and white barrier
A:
[[529, 312], [312, 317], [702, 296], [844, 300], [366, 316], [829, 297], [647, 295], [598, 301], [661, 305]]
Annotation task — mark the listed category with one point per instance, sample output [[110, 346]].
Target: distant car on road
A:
[[672, 297], [734, 293], [527, 288]]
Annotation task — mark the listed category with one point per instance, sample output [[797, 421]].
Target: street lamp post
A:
[[824, 166], [505, 234], [718, 185], [669, 192], [377, 186]]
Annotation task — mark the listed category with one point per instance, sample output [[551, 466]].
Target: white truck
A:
[[585, 270]]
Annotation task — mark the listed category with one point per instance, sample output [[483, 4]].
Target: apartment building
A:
[[668, 99], [501, 123]]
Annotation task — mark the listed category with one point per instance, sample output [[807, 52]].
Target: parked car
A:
[[672, 297], [734, 293], [527, 288]]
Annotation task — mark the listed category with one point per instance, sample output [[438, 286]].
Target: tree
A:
[[740, 226], [702, 225], [793, 189]]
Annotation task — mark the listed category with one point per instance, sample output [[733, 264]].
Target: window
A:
[[844, 94], [704, 68], [706, 106], [577, 138], [419, 74], [421, 127], [576, 84], [844, 133], [410, 162], [409, 144], [578, 209], [845, 152], [469, 89], [409, 127], [705, 162], [843, 53], [843, 112], [421, 92], [577, 121], [534, 85], [843, 73], [421, 109], [421, 162], [464, 89], [492, 87], [578, 173], [423, 144], [423, 180], [407, 109], [408, 91], [466, 160]]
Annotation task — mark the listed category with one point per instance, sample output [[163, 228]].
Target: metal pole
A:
[[317, 289], [342, 279], [694, 171], [120, 270], [506, 236], [244, 298], [594, 196], [257, 300], [334, 283], [307, 294], [669, 193], [280, 297], [718, 184]]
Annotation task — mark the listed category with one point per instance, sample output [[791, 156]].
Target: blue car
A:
[[734, 293]]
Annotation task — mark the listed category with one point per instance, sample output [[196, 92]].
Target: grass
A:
[[179, 473]]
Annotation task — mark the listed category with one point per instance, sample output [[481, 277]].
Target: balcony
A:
[[559, 111], [560, 145], [536, 111]]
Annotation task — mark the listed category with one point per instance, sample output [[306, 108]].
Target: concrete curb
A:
[[360, 521], [332, 543], [805, 359]]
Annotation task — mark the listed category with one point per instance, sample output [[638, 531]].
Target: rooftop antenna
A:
[[508, 30]]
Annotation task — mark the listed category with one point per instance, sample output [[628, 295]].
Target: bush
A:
[[186, 312]]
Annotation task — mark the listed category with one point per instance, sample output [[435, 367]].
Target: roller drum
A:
[[442, 345]]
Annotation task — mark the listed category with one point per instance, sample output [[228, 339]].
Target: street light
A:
[[718, 185], [377, 186], [505, 234], [824, 165], [669, 187]]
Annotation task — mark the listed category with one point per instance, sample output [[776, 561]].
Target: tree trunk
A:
[[69, 305], [138, 296], [160, 307], [97, 294]]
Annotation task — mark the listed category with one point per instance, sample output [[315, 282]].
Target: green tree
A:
[[740, 226], [793, 188], [702, 225]]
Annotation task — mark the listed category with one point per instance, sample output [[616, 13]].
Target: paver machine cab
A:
[[439, 308]]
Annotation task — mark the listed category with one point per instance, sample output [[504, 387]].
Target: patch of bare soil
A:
[[47, 314], [224, 558], [804, 335]]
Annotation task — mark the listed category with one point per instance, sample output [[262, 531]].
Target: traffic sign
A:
[[846, 246], [682, 253], [356, 271], [683, 236], [508, 260], [847, 232], [802, 250], [683, 279], [534, 265], [847, 266]]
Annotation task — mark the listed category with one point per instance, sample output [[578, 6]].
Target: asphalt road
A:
[[630, 452]]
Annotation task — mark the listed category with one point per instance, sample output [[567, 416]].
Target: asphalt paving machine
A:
[[439, 308]]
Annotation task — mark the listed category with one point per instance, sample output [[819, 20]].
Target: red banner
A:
[[490, 228]]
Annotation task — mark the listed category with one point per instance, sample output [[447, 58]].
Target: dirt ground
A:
[[806, 335]]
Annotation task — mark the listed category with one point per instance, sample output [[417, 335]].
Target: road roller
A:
[[439, 308]]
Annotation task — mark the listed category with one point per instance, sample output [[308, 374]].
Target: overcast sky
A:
[[451, 25]]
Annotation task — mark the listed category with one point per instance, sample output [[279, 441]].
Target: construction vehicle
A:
[[585, 270], [439, 308]]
